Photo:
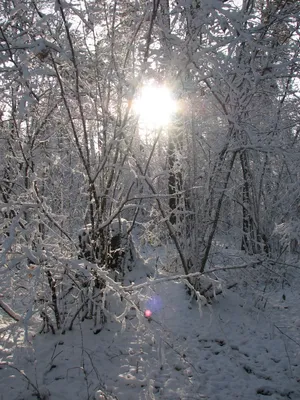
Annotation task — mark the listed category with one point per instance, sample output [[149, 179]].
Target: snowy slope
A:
[[229, 350]]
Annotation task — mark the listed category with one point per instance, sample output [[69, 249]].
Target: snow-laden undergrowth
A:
[[238, 347]]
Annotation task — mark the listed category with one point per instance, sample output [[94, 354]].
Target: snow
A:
[[241, 346]]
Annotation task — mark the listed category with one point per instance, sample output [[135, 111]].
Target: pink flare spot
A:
[[148, 313]]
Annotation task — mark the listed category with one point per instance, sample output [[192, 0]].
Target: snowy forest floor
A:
[[245, 345]]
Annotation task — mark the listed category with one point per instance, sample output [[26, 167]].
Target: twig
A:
[[83, 366], [285, 347], [231, 286], [182, 277], [293, 340], [171, 346], [53, 358], [283, 263], [37, 392], [9, 311], [79, 309]]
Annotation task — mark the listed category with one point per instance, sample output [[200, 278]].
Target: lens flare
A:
[[154, 304]]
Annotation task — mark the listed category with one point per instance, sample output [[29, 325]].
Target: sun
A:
[[155, 106]]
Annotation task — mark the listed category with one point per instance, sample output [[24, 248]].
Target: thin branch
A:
[[9, 311], [184, 277], [36, 389]]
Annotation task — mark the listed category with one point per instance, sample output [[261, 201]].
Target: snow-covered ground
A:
[[239, 347]]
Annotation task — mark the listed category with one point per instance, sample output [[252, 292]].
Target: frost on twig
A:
[[201, 300], [9, 311]]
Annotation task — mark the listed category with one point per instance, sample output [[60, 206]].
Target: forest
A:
[[149, 187]]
